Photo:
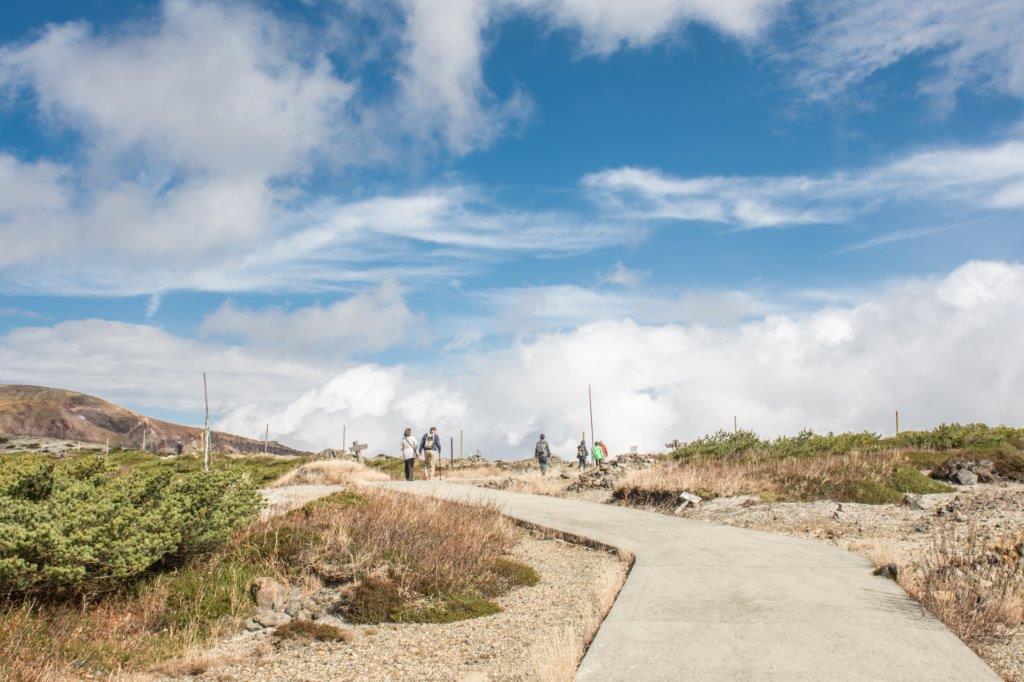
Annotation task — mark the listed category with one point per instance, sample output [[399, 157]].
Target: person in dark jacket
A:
[[430, 447], [581, 454], [543, 454]]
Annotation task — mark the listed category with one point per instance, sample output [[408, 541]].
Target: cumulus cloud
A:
[[984, 177], [369, 321], [937, 349]]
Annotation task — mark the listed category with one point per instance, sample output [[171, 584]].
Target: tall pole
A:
[[451, 449], [734, 424], [266, 439], [590, 403], [897, 422], [206, 428], [143, 438], [344, 438], [461, 454]]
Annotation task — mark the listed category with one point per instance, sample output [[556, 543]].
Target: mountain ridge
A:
[[27, 410]]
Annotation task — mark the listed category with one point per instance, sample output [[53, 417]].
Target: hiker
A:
[[430, 447], [604, 449], [178, 447], [543, 454], [598, 454], [581, 454], [410, 451]]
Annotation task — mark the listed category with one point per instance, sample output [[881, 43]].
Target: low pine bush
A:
[[84, 528]]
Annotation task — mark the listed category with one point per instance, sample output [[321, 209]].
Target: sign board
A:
[[358, 447], [632, 449]]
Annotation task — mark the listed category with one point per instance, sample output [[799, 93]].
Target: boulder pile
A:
[[277, 604], [967, 472]]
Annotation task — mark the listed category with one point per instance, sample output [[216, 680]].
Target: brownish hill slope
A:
[[57, 413]]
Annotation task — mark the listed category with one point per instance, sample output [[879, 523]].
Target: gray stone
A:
[[252, 626], [269, 593], [293, 606], [965, 477], [271, 619], [911, 501]]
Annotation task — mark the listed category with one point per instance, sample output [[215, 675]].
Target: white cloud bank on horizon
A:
[[941, 349]]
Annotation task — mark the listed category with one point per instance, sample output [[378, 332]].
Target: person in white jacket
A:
[[410, 450]]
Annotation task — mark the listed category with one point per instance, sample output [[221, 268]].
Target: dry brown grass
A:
[[859, 476], [330, 472], [419, 545], [972, 583], [485, 471], [560, 653]]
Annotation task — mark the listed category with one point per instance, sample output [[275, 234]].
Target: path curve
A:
[[711, 602]]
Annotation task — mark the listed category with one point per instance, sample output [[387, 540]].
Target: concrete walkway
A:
[[709, 602]]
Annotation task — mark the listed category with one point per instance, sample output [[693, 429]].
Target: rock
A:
[[968, 472], [686, 499], [565, 474], [965, 477], [293, 606], [269, 593], [252, 626], [890, 571], [271, 619], [959, 518], [911, 501]]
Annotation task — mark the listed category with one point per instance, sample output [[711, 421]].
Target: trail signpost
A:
[[358, 448]]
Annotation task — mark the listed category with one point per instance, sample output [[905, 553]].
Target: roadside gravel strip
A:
[[538, 634], [705, 601]]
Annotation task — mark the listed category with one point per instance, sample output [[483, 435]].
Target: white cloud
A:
[[938, 349], [143, 365], [215, 87], [623, 276], [985, 177], [972, 44], [369, 321], [445, 45]]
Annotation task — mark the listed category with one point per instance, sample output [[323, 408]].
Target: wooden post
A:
[[266, 439], [461, 454], [143, 438], [106, 451], [734, 424], [344, 438], [206, 428], [590, 403], [451, 450], [897, 422]]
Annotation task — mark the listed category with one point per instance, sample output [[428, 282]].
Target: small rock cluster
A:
[[967, 472], [595, 477], [277, 604]]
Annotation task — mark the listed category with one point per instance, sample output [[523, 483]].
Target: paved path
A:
[[709, 602]]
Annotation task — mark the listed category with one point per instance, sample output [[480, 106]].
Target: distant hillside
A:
[[57, 413]]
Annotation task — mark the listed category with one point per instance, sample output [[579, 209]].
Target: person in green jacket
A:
[[597, 453]]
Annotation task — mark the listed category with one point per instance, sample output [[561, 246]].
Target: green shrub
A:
[[84, 528]]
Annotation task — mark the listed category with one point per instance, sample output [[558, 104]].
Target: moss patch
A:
[[448, 609], [321, 632]]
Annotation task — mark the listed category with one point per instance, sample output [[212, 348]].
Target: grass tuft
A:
[[321, 632]]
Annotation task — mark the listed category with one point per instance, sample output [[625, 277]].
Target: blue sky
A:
[[392, 213]]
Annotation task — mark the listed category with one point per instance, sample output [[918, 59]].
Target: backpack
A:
[[429, 442], [541, 450]]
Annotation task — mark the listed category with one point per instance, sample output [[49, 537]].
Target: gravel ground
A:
[[506, 646]]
